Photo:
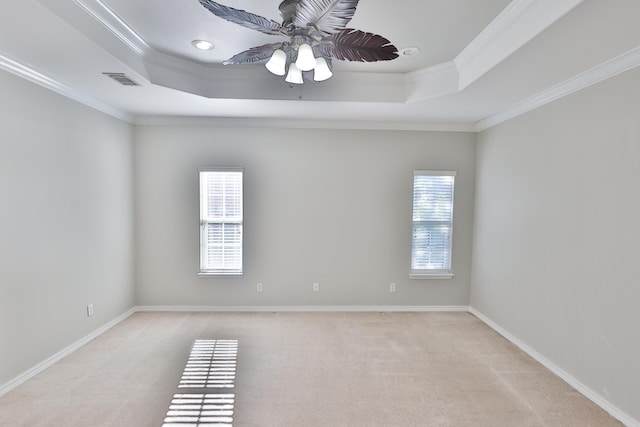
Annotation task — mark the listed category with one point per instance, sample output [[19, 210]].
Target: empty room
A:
[[319, 213]]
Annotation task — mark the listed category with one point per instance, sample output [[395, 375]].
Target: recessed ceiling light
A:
[[409, 51], [202, 44]]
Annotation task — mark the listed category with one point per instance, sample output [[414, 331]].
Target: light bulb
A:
[[202, 44], [277, 62], [305, 61], [322, 71], [295, 75]]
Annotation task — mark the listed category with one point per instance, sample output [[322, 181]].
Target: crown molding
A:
[[237, 122], [601, 72], [431, 82], [105, 16], [615, 66], [517, 24], [28, 73], [520, 21], [473, 58]]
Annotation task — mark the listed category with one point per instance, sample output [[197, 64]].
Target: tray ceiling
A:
[[477, 61]]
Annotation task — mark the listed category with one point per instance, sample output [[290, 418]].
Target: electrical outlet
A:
[[392, 287], [90, 310], [316, 287], [259, 287]]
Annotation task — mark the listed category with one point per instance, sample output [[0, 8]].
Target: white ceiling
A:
[[480, 62]]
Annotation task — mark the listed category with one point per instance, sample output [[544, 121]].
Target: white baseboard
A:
[[6, 388], [304, 308], [586, 391]]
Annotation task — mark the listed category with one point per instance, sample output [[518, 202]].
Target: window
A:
[[432, 224], [221, 221]]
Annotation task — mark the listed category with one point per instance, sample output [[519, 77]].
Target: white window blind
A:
[[432, 222], [221, 217]]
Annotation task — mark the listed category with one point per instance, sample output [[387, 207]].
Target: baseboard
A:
[[5, 388], [305, 308], [586, 391]]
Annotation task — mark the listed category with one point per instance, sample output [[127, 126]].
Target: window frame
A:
[[426, 273], [203, 221]]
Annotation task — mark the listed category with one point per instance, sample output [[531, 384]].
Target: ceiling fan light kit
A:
[[306, 61], [278, 62], [294, 76], [322, 71], [316, 32]]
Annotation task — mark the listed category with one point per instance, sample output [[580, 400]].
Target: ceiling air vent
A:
[[122, 79]]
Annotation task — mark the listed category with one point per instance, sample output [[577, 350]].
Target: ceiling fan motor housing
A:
[[288, 11], [317, 33]]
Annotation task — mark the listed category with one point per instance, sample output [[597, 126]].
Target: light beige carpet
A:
[[308, 369]]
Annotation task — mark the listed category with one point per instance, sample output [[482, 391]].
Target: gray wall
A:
[[555, 242], [557, 234], [66, 222], [327, 206]]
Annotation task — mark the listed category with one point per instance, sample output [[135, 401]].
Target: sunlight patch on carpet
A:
[[200, 410], [211, 365]]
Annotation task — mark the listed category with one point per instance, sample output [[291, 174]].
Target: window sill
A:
[[428, 276], [214, 275]]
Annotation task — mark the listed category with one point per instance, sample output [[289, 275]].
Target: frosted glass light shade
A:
[[322, 71], [305, 61], [277, 62], [295, 75]]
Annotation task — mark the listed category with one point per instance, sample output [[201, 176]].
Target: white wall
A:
[[557, 235], [325, 206], [66, 222]]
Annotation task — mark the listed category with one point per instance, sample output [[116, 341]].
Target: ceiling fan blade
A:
[[356, 45], [240, 17], [257, 54], [328, 16]]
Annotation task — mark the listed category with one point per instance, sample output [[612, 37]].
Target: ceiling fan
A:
[[317, 33]]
